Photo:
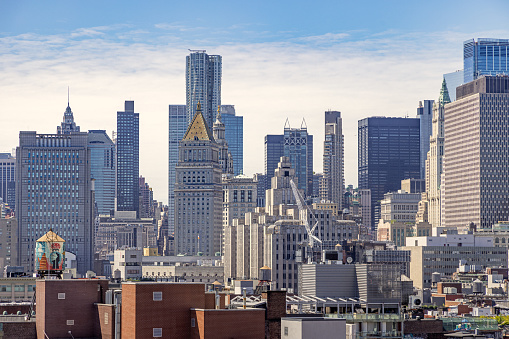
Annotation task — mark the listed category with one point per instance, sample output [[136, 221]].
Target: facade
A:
[[147, 203], [19, 289], [413, 185], [333, 162], [177, 128], [274, 150], [475, 147], [425, 116], [442, 254], [239, 198], [54, 191], [203, 84], [198, 192], [435, 158], [400, 206], [298, 146], [485, 57], [234, 135], [128, 262], [280, 193], [102, 170], [260, 180], [389, 151], [225, 157], [8, 242], [8, 179], [128, 158], [397, 231]]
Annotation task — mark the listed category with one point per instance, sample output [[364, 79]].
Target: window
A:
[[5, 288], [61, 296], [157, 296], [157, 332], [286, 330], [193, 322], [19, 288], [70, 322]]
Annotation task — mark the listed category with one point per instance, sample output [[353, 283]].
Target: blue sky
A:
[[280, 59]]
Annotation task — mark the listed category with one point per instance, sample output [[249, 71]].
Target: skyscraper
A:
[[177, 128], [234, 135], [198, 191], [274, 150], [203, 84], [333, 171], [102, 170], [54, 192], [128, 159], [476, 165], [425, 116], [485, 57], [7, 179], [225, 157], [298, 146], [453, 80], [435, 157], [389, 151]]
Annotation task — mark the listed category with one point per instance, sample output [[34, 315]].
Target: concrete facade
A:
[[304, 328]]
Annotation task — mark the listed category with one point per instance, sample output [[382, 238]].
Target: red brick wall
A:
[[81, 295], [239, 324], [105, 324], [19, 330], [140, 313], [276, 309], [210, 300]]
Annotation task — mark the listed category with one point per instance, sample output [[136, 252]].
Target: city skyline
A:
[[277, 75]]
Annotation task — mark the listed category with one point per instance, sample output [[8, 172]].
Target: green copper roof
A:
[[444, 94]]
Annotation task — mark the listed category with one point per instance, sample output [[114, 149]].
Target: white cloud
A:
[[267, 82]]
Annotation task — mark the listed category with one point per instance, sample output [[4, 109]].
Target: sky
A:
[[281, 59]]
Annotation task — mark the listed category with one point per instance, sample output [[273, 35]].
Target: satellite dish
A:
[[349, 260]]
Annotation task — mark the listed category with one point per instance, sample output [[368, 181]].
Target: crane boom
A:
[[301, 204]]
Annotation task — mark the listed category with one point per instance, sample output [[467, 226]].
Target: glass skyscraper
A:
[[425, 116], [7, 179], [296, 144], [485, 57], [128, 159], [203, 84], [177, 128], [389, 151], [102, 170], [234, 135]]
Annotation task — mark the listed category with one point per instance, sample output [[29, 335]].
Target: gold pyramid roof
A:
[[51, 237], [198, 129]]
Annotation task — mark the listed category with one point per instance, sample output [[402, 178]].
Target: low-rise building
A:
[[17, 289], [442, 254]]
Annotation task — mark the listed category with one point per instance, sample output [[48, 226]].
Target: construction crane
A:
[[304, 207]]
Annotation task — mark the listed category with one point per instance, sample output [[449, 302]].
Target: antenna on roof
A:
[[67, 96]]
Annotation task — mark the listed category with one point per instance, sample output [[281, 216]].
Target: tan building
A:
[[185, 273], [476, 158], [400, 206], [397, 232], [17, 289], [434, 163]]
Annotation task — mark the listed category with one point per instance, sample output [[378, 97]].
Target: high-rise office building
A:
[[425, 116], [485, 57], [102, 170], [234, 135], [8, 179], [435, 157], [177, 128], [203, 84], [274, 150], [333, 171], [297, 145], [146, 199], [476, 166], [198, 191], [389, 151], [54, 192], [128, 158]]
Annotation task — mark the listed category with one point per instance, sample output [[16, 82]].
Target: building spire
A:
[[444, 94], [67, 96]]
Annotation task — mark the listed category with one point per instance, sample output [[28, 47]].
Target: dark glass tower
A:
[[7, 179], [273, 152], [128, 158], [389, 151]]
